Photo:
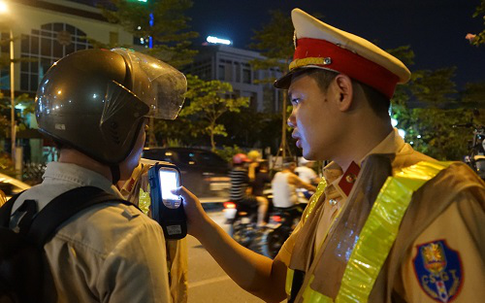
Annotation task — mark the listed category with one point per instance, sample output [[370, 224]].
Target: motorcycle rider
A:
[[241, 191], [239, 179], [94, 104], [307, 174], [254, 157], [261, 180], [284, 185]]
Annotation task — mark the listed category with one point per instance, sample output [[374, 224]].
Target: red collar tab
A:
[[347, 62], [349, 177]]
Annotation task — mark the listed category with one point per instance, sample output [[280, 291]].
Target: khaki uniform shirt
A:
[[107, 253], [136, 189], [449, 234]]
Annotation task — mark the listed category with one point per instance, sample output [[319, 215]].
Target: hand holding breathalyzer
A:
[[167, 208]]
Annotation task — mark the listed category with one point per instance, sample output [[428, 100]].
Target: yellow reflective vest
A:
[[376, 237]]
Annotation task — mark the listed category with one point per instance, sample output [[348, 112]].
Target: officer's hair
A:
[[377, 101]]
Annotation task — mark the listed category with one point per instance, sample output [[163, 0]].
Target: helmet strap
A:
[[115, 173]]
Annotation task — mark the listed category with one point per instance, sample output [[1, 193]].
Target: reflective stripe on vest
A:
[[308, 210], [144, 200], [379, 233], [314, 198]]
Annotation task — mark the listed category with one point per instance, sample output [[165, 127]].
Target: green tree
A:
[[207, 101], [275, 42], [427, 107], [169, 28], [477, 39], [28, 105], [23, 99], [434, 87], [249, 128], [474, 95]]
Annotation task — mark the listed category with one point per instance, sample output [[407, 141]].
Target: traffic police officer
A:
[[387, 224]]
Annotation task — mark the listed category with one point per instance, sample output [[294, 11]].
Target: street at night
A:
[[339, 147], [207, 281]]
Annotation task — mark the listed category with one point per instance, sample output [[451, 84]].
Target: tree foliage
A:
[[20, 117], [477, 39], [169, 27], [275, 42], [428, 107], [206, 103], [474, 96], [250, 128]]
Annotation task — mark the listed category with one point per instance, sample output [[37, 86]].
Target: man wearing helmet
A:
[[94, 104], [239, 178]]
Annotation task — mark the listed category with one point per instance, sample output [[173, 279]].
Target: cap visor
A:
[[285, 81]]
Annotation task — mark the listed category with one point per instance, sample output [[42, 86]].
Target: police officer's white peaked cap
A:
[[319, 45]]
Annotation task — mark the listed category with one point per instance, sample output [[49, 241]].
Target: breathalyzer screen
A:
[[168, 182]]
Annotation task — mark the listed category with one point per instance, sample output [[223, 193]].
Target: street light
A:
[[4, 10]]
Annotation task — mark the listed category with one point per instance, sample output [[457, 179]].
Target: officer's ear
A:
[[345, 92]]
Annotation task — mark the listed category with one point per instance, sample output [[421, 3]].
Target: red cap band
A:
[[347, 62]]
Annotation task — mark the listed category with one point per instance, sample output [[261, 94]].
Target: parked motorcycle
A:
[[476, 157]]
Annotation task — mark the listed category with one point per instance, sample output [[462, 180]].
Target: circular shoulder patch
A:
[[439, 270]]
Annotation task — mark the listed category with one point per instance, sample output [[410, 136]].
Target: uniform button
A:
[[332, 202], [350, 178]]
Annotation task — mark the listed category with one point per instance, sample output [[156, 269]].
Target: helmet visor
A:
[[157, 84]]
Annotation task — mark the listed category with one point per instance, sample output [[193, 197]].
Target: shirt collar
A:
[[333, 173], [392, 144], [77, 175]]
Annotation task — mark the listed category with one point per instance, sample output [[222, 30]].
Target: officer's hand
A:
[[193, 210]]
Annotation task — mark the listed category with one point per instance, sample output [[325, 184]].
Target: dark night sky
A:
[[435, 29]]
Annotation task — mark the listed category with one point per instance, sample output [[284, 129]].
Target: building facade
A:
[[233, 65], [45, 31]]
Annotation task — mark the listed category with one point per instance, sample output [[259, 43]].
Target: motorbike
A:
[[476, 157], [242, 218], [282, 223], [266, 240]]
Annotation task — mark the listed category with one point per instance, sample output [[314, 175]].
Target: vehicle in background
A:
[[476, 146], [281, 224], [11, 186], [203, 172], [266, 240]]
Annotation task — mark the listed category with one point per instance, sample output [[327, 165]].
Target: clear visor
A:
[[159, 85]]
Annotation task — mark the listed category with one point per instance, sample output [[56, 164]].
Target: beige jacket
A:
[[110, 252], [447, 197], [177, 253]]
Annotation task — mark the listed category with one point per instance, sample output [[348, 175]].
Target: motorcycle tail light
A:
[[277, 218], [229, 205]]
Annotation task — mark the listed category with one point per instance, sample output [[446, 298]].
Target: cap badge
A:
[[310, 61]]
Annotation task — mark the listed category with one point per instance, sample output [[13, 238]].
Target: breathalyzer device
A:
[[166, 208]]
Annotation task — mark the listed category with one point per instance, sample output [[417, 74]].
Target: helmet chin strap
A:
[[115, 173]]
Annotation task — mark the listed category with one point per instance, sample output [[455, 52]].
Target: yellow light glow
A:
[[155, 65], [3, 7]]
